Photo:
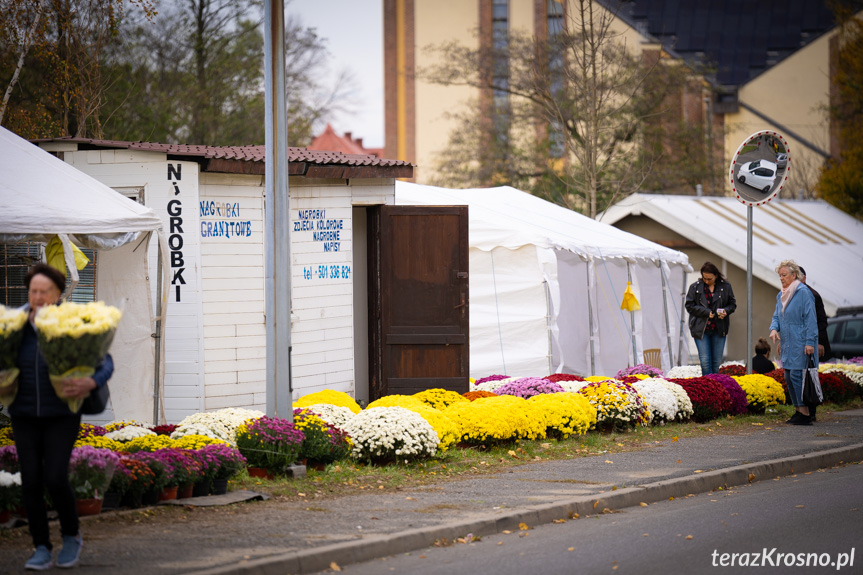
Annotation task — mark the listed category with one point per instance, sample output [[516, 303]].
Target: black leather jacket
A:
[[699, 312]]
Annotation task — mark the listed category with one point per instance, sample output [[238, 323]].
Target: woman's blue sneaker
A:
[[71, 551], [40, 560]]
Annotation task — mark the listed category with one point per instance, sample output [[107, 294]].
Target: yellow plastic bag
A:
[[56, 258], [629, 303]]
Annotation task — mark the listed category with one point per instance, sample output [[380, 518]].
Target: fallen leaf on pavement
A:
[[595, 503], [571, 549], [673, 439], [643, 504], [523, 526], [335, 566], [698, 471], [646, 535], [506, 531], [689, 537], [799, 506], [751, 477], [559, 521]]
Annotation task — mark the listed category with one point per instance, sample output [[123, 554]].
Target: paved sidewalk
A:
[[304, 537]]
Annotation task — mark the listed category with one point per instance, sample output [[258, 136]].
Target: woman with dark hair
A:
[[45, 430], [761, 362], [710, 301]]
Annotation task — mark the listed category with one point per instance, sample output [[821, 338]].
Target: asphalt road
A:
[[819, 513]]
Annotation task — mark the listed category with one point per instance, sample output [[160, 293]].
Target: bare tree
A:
[[582, 94]]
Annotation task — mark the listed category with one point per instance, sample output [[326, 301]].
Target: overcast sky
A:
[[354, 37]]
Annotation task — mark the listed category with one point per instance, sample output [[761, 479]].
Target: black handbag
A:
[[97, 401], [812, 394]]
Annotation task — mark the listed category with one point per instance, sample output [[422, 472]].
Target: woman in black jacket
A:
[[710, 301], [45, 430]]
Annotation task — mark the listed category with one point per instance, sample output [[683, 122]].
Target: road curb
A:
[[375, 546]]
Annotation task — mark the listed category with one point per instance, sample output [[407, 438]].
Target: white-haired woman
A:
[[795, 327]]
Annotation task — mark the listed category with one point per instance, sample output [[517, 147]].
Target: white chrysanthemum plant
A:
[[391, 434], [220, 424], [662, 402], [683, 371], [336, 415], [572, 386], [684, 404], [129, 433], [491, 385]]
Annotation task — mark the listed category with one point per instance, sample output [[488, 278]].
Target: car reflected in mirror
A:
[[759, 174], [760, 167]]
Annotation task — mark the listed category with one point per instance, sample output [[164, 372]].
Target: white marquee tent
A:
[[546, 285], [40, 197]]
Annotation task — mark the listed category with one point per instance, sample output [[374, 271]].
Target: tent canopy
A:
[[509, 218], [816, 235], [40, 197], [546, 285]]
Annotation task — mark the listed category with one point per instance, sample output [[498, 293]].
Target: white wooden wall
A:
[[232, 268], [216, 338], [163, 189]]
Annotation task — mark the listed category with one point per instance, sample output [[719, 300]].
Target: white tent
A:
[[546, 285], [40, 197], [822, 238]]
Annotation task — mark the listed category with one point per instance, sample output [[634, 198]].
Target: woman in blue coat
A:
[[795, 328]]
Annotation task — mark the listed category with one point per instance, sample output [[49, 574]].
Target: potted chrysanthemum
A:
[[11, 331], [10, 494], [221, 462], [90, 472], [323, 443], [271, 444]]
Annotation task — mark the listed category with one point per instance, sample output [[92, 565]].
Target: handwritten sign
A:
[[223, 228]]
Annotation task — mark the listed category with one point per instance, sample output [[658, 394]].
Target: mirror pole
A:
[[748, 289]]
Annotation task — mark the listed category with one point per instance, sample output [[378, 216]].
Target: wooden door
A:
[[418, 294]]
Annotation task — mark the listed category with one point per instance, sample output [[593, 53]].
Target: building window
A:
[[500, 46], [16, 259]]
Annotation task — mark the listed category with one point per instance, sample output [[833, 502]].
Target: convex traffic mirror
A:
[[760, 167]]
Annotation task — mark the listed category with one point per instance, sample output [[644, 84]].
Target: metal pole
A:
[[277, 228], [548, 326], [748, 289], [667, 321], [590, 319], [632, 318], [682, 335], [158, 335]]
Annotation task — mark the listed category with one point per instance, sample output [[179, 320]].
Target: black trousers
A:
[[44, 446]]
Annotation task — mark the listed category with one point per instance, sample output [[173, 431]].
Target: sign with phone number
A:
[[325, 272]]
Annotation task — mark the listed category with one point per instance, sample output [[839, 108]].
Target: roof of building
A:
[[740, 38], [328, 140], [250, 159], [823, 239]]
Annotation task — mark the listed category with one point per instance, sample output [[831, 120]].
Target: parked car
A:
[[846, 335], [781, 161], [759, 174]]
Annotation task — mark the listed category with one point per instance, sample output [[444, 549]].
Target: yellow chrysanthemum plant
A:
[[331, 397], [761, 391], [447, 431], [11, 330], [565, 413], [74, 339], [494, 420], [440, 398]]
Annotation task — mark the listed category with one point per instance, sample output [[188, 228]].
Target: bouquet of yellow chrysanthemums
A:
[[11, 330], [73, 339]]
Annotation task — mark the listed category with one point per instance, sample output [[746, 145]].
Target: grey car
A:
[[846, 335], [781, 161]]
